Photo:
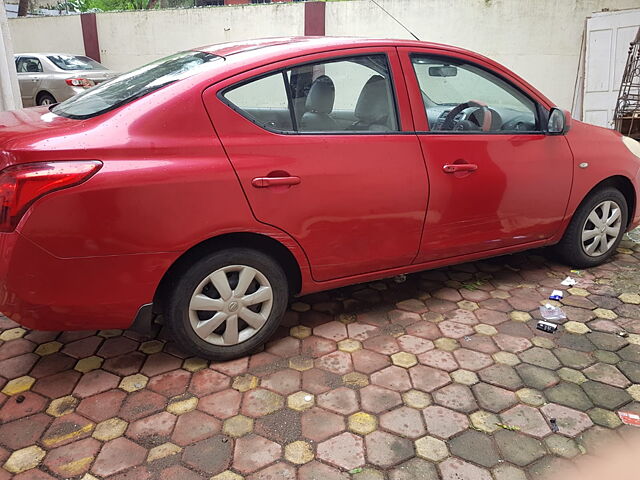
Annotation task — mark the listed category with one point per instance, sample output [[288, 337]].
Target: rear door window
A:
[[345, 95]]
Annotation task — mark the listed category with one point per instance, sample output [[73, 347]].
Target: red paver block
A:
[[253, 452], [58, 385], [337, 362], [67, 429], [319, 424], [345, 451], [221, 405], [73, 459], [94, 382], [208, 381], [195, 426], [140, 404], [102, 406], [12, 409], [127, 364], [118, 455], [154, 429], [342, 400], [171, 383], [24, 431], [393, 378]]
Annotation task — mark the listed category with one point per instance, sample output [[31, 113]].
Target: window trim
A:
[[538, 108], [283, 70]]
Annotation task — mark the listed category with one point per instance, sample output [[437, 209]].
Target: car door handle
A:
[[263, 182], [459, 167]]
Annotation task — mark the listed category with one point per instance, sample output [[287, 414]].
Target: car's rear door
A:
[[29, 77], [344, 176], [495, 188]]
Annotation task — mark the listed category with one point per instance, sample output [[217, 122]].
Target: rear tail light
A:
[[80, 82], [21, 185]]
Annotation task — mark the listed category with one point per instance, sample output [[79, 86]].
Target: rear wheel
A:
[[227, 304], [46, 99], [596, 229]]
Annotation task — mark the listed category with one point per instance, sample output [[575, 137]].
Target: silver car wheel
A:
[[601, 228], [230, 305], [46, 101]]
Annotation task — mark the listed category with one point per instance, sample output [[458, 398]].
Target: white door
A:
[[608, 38]]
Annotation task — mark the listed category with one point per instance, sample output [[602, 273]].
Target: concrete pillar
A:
[[9, 90]]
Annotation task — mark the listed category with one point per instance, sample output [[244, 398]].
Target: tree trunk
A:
[[150, 5], [23, 8]]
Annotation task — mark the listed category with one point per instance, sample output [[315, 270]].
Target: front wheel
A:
[[227, 304], [596, 229]]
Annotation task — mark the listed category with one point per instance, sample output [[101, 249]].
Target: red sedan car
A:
[[210, 186]]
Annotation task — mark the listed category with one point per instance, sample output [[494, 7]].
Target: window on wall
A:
[[348, 95], [460, 97]]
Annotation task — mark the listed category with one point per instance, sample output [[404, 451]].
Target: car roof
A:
[[299, 44], [45, 54]]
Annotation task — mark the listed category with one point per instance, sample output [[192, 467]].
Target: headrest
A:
[[373, 103], [321, 95]]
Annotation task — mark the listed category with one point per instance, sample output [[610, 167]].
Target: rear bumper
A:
[[44, 292]]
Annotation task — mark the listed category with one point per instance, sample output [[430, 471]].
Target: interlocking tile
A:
[[386, 450], [211, 456], [404, 421], [222, 404], [456, 397], [253, 452], [118, 455], [319, 424], [24, 459], [67, 429], [443, 422], [154, 429], [527, 419], [475, 447], [345, 451], [518, 448], [377, 399], [455, 468], [193, 427], [341, 400], [73, 459]]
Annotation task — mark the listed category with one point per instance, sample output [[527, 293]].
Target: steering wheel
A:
[[485, 121]]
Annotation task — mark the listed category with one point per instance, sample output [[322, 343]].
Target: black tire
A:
[[176, 314], [45, 99], [570, 249]]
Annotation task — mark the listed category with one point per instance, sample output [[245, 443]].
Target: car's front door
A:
[[324, 151], [496, 179], [29, 77]]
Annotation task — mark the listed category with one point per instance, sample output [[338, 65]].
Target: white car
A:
[[48, 78]]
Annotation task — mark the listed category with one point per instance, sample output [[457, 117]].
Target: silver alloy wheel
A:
[[601, 228], [46, 101], [230, 305]]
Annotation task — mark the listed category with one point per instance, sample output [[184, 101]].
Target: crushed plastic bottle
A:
[[549, 312]]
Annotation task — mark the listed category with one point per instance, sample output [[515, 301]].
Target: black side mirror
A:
[[557, 122]]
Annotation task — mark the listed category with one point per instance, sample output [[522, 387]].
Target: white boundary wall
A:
[[539, 39]]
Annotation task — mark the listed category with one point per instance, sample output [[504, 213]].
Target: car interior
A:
[[366, 105], [355, 95], [28, 65], [466, 98]]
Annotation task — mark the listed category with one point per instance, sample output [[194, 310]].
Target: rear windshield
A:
[[75, 62], [133, 85]]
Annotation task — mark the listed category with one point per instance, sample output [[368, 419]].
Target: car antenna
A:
[[396, 20]]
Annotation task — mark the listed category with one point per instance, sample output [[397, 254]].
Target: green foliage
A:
[[102, 5]]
